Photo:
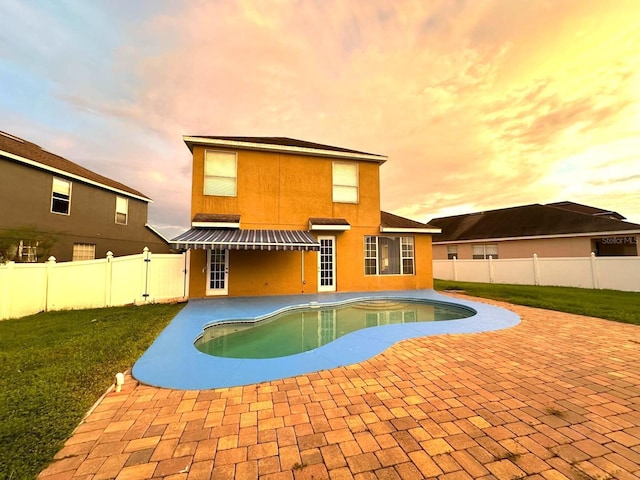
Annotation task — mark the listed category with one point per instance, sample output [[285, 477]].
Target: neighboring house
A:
[[277, 216], [51, 206], [562, 229]]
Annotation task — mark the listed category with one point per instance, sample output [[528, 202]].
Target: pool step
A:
[[379, 305]]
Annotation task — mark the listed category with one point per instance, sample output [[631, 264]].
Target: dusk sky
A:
[[478, 104]]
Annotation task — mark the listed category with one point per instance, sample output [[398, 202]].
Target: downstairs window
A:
[[389, 255], [484, 251], [83, 251]]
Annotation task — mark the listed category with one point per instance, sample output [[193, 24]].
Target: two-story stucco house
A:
[[82, 214], [274, 216]]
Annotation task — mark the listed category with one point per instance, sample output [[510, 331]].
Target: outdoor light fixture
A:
[[119, 381]]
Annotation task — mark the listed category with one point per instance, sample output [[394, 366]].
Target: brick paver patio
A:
[[556, 397]]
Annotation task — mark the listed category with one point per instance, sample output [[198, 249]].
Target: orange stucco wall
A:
[[279, 272], [282, 191]]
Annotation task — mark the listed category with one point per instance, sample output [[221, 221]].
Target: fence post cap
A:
[[109, 254], [51, 259], [145, 249]]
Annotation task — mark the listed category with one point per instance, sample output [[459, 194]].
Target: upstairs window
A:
[[483, 252], [345, 182], [61, 196], [122, 210], [220, 173]]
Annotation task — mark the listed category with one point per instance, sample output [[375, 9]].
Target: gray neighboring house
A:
[[60, 208], [561, 229]]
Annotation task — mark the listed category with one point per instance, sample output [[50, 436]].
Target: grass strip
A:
[[607, 304], [54, 366]]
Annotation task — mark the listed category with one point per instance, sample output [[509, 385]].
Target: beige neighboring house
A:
[[562, 229], [52, 206]]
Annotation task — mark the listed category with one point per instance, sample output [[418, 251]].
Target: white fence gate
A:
[[615, 273], [28, 288]]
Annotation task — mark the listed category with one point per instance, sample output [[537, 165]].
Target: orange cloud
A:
[[478, 104]]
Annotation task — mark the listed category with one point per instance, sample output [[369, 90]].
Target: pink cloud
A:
[[460, 95]]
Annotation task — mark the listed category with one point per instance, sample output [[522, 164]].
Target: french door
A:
[[327, 264], [217, 272]]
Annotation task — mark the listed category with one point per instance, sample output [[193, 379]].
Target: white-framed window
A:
[[370, 255], [220, 173], [61, 196], [452, 251], [389, 255], [122, 210], [484, 251], [28, 251], [407, 255], [83, 251], [345, 182]]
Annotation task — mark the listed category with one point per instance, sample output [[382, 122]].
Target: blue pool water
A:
[[173, 361], [309, 328]]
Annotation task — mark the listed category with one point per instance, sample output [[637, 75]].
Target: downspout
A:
[[302, 270]]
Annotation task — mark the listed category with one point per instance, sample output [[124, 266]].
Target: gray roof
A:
[[328, 221], [282, 145], [389, 220], [578, 207], [216, 217], [527, 221], [283, 141], [47, 160]]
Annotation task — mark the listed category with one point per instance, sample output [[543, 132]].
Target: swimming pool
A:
[[173, 361], [308, 328]]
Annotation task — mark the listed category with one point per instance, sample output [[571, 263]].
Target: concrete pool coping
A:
[[172, 361]]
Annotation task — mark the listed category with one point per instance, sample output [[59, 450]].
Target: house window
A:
[[84, 251], [407, 255], [484, 251], [122, 210], [452, 251], [370, 255], [345, 182], [61, 196], [389, 255], [28, 251], [220, 173]]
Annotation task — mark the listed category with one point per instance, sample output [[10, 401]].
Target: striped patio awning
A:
[[210, 238]]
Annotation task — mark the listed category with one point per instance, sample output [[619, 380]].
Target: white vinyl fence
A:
[[27, 288], [615, 273]]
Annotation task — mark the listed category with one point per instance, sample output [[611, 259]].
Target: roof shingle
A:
[[283, 141], [389, 220], [30, 151], [525, 221]]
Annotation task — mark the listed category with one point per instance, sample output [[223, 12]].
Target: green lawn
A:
[[608, 304], [54, 366]]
